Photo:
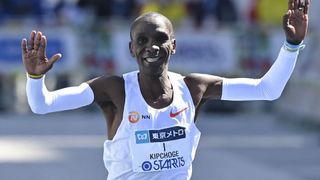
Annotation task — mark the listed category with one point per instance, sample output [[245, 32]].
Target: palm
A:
[[34, 57], [35, 63]]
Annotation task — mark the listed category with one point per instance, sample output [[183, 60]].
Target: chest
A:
[[149, 118]]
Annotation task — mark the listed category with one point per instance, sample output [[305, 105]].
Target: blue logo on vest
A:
[[142, 137]]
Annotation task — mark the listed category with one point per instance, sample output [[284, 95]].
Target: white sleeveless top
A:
[[153, 144]]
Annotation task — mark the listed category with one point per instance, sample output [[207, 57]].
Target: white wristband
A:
[[293, 48]]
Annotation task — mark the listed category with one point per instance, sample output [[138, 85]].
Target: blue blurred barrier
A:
[[59, 41]]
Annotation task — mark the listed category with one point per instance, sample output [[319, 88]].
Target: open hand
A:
[[34, 55], [295, 21]]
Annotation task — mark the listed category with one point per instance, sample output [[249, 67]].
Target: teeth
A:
[[151, 60]]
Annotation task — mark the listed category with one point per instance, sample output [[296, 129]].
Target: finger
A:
[[286, 17], [24, 46], [37, 41], [301, 5], [290, 4], [43, 45], [296, 4], [54, 58], [306, 6], [32, 36]]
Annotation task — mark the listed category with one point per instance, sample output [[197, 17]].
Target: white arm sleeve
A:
[[42, 101], [269, 87]]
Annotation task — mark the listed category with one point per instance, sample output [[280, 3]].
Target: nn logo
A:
[[134, 116], [145, 117]]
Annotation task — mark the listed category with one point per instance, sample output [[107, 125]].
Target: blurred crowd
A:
[[73, 11], [66, 11], [101, 17]]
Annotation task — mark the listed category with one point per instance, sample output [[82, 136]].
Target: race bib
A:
[[161, 150]]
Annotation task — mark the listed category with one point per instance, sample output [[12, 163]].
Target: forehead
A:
[[151, 25]]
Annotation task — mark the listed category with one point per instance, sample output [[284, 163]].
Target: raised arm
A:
[[37, 64], [271, 85]]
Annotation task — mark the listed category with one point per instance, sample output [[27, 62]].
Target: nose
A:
[[153, 49]]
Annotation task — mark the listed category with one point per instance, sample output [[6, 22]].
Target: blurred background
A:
[[231, 38]]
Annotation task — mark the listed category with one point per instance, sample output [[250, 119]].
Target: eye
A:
[[142, 40], [162, 38]]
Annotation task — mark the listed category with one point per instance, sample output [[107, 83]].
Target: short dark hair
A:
[[151, 15]]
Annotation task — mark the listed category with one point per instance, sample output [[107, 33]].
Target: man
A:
[[150, 113]]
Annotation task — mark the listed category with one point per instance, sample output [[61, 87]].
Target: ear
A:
[[130, 49], [173, 46]]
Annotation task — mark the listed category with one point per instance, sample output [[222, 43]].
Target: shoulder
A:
[[106, 87], [196, 79], [194, 82], [103, 81], [204, 86]]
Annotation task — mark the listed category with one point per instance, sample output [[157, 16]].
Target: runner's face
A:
[[152, 45]]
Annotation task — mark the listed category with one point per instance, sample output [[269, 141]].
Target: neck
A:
[[156, 89], [153, 77]]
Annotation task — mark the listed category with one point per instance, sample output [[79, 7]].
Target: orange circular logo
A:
[[133, 117]]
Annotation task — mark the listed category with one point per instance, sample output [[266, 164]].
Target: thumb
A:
[[287, 27], [286, 17], [54, 58]]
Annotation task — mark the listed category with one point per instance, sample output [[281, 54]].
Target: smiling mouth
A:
[[151, 60]]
